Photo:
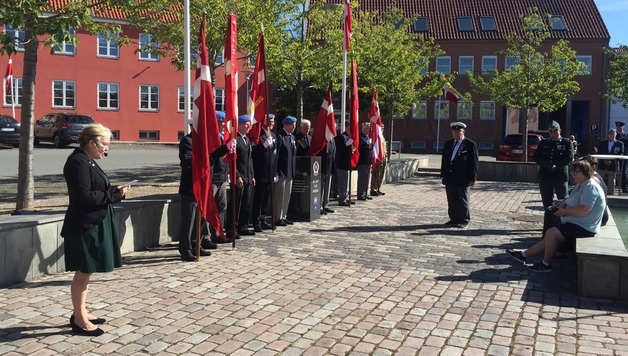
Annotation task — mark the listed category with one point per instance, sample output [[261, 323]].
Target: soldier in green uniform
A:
[[553, 156]]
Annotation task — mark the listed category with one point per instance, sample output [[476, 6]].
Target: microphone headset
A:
[[101, 149]]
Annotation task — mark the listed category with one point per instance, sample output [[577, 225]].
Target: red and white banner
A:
[[348, 32], [8, 77], [376, 134], [355, 106], [231, 79], [257, 101], [325, 128], [205, 135], [450, 95]]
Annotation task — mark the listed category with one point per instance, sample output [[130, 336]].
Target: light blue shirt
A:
[[588, 193]]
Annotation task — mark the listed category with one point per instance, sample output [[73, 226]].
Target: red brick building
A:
[[471, 33]]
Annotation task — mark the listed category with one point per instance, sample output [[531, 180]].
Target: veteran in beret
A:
[[286, 157], [459, 172]]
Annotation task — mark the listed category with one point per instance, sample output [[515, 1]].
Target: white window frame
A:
[[448, 64], [65, 48], [588, 61], [460, 67], [144, 40], [109, 46], [444, 109], [487, 110], [485, 65], [67, 86], [181, 99], [220, 58], [419, 110], [19, 34], [149, 90], [109, 90], [219, 98], [464, 110], [17, 89], [510, 61]]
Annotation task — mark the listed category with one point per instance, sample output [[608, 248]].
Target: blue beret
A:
[[271, 116], [220, 115], [242, 119], [288, 120]]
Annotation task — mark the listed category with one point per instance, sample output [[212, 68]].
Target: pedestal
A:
[[305, 200]]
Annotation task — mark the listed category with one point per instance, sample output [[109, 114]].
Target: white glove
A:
[[349, 142], [268, 142], [370, 141], [231, 145]]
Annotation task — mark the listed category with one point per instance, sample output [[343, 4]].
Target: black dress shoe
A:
[[352, 202], [188, 257], [368, 198], [343, 204], [266, 226], [327, 210], [80, 331], [205, 252], [374, 193], [96, 321], [288, 221], [280, 223], [382, 193], [246, 233], [451, 223], [258, 228], [361, 198], [208, 244]]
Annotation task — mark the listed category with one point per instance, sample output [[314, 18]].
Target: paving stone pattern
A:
[[384, 277]]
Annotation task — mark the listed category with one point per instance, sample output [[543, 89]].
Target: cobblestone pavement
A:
[[381, 278]]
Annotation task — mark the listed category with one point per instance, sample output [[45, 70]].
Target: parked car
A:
[[511, 148], [9, 131], [61, 129]]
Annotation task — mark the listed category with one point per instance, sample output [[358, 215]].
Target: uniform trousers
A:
[[377, 176], [325, 192], [458, 203], [363, 180], [260, 199], [281, 200], [242, 206], [548, 188], [188, 227], [220, 197], [343, 185]]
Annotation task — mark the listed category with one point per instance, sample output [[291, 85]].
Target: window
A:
[[63, 93], [398, 117], [17, 93], [65, 47], [421, 25], [115, 135], [510, 62], [487, 23], [443, 64], [149, 135], [487, 110], [19, 34], [417, 145], [557, 23], [464, 110], [181, 96], [108, 94], [465, 24], [220, 57], [108, 48], [587, 62], [419, 110], [423, 63], [441, 109], [219, 98], [465, 64], [489, 64], [146, 45], [149, 97]]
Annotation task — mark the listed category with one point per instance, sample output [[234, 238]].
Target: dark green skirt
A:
[[95, 250]]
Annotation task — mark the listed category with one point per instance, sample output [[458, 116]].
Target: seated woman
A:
[[581, 216]]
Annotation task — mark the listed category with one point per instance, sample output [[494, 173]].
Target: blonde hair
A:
[[93, 132]]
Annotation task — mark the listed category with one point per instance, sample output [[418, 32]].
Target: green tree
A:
[[41, 29], [543, 79], [617, 74]]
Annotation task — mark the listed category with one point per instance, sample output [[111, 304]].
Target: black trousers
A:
[[260, 201], [458, 203], [188, 207], [243, 208]]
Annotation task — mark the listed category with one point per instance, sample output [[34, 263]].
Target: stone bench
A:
[[603, 264]]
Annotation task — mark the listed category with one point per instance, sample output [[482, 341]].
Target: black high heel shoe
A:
[[80, 331], [96, 321]]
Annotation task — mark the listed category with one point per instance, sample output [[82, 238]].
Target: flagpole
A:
[[343, 105], [13, 95], [186, 63], [438, 124]]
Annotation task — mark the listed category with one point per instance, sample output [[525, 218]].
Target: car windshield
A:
[[80, 120], [517, 140], [7, 119]]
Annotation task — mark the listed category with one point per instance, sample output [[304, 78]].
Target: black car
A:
[[61, 129], [9, 131]]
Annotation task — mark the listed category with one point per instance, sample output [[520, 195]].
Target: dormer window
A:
[[557, 23], [487, 23], [465, 24], [421, 25]]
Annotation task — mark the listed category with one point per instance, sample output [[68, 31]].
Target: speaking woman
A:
[[90, 229]]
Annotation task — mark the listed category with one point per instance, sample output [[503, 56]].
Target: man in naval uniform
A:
[[553, 155], [608, 167], [623, 137]]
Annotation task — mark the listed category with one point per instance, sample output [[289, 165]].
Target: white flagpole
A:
[[186, 66], [438, 124], [343, 106], [13, 95]]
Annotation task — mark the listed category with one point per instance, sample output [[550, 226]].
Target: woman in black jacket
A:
[[90, 228]]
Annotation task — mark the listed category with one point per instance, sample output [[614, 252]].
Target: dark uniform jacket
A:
[[328, 158], [616, 149], [219, 167], [366, 150], [343, 152], [262, 161], [89, 194], [554, 158], [464, 167], [244, 162], [286, 153], [185, 160], [303, 143]]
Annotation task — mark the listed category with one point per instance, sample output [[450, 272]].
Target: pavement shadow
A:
[[32, 332]]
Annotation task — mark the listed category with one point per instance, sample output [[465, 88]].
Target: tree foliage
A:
[[540, 78], [616, 79]]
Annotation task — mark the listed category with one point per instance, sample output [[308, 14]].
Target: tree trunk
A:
[[25, 183]]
